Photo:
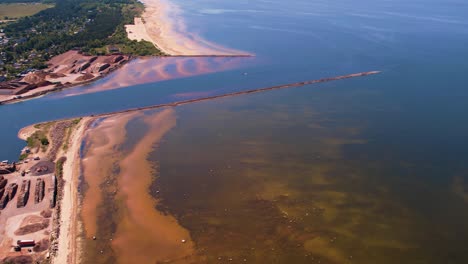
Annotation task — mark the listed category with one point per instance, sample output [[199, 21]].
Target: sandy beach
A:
[[163, 25], [67, 242]]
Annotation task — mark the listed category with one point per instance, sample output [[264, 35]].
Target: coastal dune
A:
[[162, 24]]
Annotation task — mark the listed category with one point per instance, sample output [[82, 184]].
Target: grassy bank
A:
[[18, 10]]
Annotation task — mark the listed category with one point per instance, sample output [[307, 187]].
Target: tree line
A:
[[88, 25]]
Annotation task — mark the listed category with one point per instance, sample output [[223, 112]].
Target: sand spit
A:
[[163, 25], [145, 235]]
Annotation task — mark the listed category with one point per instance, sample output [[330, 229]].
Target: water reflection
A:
[[150, 70]]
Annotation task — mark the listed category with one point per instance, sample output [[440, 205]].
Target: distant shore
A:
[[162, 24]]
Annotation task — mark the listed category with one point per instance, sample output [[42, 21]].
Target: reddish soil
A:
[[69, 68], [32, 224]]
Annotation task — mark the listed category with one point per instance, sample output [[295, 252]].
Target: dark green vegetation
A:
[[23, 156], [39, 138], [95, 27], [69, 131], [58, 193], [59, 167]]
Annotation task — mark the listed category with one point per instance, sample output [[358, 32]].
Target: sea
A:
[[365, 170]]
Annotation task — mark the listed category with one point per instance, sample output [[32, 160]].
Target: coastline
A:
[[163, 24], [68, 242], [160, 23], [119, 221], [180, 61], [70, 224], [36, 94], [78, 224], [64, 242]]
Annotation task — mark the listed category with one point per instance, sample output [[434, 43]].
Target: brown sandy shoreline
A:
[[76, 212], [79, 218]]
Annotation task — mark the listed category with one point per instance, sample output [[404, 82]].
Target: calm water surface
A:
[[300, 178], [420, 46], [370, 170]]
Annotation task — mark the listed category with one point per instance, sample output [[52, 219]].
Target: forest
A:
[[91, 26]]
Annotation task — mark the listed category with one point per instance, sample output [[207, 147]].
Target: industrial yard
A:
[[30, 193], [27, 197]]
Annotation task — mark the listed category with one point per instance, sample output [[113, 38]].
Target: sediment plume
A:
[[144, 234], [99, 163]]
